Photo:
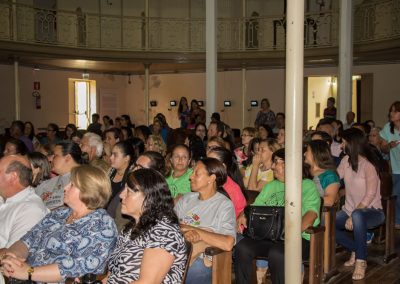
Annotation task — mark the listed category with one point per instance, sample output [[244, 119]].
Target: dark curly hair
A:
[[157, 204]]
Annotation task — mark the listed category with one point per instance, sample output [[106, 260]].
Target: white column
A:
[[294, 135], [345, 58], [16, 91], [147, 27], [211, 57], [244, 14], [146, 92], [14, 20], [244, 101]]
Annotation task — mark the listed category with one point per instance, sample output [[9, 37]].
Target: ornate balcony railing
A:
[[21, 23]]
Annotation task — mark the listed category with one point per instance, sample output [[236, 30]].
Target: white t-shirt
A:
[[52, 191], [216, 213], [18, 214]]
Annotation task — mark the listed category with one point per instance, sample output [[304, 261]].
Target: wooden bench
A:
[[386, 230]]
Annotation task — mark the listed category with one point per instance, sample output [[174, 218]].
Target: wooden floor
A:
[[377, 271]]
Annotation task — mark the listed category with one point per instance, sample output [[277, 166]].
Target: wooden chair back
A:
[[388, 204], [329, 221], [189, 249], [221, 265]]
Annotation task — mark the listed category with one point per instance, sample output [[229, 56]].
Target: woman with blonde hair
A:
[[156, 143], [259, 173], [70, 241]]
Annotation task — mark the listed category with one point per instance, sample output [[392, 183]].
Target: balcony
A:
[[28, 33]]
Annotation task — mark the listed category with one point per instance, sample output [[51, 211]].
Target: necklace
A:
[[72, 218]]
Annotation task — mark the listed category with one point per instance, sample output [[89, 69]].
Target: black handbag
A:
[[265, 222]]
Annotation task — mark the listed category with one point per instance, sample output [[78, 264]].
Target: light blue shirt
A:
[[78, 248], [395, 151]]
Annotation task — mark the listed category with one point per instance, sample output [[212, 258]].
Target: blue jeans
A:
[[363, 219], [198, 273], [396, 191]]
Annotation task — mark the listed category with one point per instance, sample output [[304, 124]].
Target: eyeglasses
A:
[[49, 130], [247, 135]]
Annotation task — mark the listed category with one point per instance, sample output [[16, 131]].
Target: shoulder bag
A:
[[265, 222]]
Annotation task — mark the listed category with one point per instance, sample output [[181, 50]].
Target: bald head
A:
[[15, 175]]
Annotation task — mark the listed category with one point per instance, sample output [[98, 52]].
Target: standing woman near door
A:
[[391, 143], [265, 115]]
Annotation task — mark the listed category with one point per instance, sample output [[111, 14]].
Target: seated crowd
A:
[[123, 202]]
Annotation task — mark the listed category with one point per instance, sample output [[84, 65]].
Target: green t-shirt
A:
[[180, 185], [273, 194]]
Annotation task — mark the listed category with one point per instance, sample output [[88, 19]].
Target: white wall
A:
[[259, 84]]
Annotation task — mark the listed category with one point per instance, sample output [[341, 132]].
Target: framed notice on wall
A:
[[109, 103], [317, 109]]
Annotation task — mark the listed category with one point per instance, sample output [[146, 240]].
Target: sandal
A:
[[359, 270], [261, 275], [351, 261]]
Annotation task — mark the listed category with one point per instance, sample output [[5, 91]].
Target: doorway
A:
[[82, 102], [319, 88]]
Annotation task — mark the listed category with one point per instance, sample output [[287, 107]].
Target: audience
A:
[[20, 207], [70, 130], [234, 183], [391, 144], [122, 158], [15, 147], [178, 181], [30, 133], [259, 172], [92, 148], [67, 155], [17, 131], [70, 241], [151, 248], [40, 168], [242, 152], [95, 126], [156, 143], [323, 170], [207, 217], [265, 132], [362, 210], [265, 115], [183, 112], [208, 192], [52, 135], [273, 194]]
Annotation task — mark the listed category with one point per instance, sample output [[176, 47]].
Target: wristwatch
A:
[[30, 272]]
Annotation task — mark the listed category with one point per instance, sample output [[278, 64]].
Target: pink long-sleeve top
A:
[[236, 195], [362, 186]]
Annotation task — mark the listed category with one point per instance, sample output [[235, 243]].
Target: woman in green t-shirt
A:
[[273, 194], [178, 181]]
